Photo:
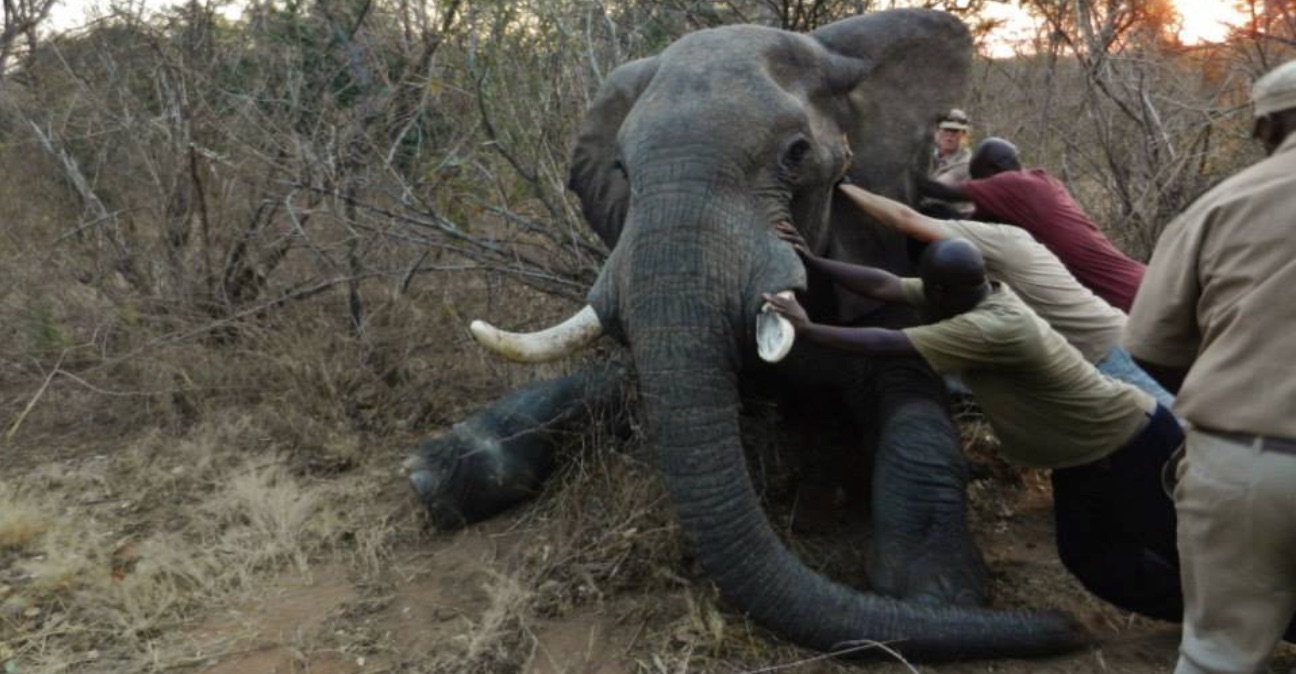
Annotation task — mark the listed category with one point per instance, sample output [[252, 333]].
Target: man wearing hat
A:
[[1215, 319], [950, 163], [951, 159]]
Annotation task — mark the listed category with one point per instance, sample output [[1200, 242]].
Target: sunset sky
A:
[[1203, 20], [1206, 20]]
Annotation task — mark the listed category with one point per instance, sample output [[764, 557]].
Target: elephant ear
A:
[[896, 72], [595, 175], [904, 68]]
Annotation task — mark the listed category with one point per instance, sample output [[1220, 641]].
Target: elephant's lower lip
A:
[[774, 334]]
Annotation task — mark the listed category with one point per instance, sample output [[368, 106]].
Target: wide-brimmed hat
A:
[[1276, 90], [955, 120]]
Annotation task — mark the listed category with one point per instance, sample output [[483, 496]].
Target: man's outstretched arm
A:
[[895, 215], [937, 190], [868, 341], [868, 281]]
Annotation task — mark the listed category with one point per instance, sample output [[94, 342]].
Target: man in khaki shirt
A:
[[1014, 257], [1105, 440], [1216, 313], [950, 161], [952, 156]]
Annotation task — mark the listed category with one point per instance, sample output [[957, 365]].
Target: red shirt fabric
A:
[[1039, 204]]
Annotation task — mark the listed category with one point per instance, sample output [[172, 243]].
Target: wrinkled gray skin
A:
[[685, 163]]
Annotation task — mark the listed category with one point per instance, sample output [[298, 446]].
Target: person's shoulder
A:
[[1036, 175], [1006, 308], [1005, 319], [1233, 189], [1015, 179]]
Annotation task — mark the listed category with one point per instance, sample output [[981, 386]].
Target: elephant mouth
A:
[[774, 334]]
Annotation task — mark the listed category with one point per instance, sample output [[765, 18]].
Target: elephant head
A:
[[685, 163]]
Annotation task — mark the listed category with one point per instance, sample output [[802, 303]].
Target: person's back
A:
[[1033, 272], [1241, 253], [1216, 307], [1049, 406], [1038, 203]]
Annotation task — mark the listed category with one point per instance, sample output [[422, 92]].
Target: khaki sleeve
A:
[[951, 345], [912, 290], [1162, 327]]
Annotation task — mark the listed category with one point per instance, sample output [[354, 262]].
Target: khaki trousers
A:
[[1236, 505]]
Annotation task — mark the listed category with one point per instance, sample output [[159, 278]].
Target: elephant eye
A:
[[796, 152], [620, 168]]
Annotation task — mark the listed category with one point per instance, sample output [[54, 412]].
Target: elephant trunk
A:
[[685, 347], [691, 407]]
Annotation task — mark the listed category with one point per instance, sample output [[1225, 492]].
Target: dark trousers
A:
[[1116, 524]]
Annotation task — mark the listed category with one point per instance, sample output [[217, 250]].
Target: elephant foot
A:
[[467, 476], [431, 472], [501, 455]]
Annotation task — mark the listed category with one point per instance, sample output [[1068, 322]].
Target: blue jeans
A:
[[1118, 365]]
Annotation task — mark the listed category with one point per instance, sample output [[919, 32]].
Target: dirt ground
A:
[[592, 578]]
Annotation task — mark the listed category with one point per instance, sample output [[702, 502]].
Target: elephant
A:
[[683, 165]]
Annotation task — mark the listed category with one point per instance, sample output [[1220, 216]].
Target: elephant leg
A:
[[501, 455], [921, 549]]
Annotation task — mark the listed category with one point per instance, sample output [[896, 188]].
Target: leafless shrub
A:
[[1135, 123]]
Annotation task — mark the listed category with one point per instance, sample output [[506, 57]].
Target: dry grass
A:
[[114, 555]]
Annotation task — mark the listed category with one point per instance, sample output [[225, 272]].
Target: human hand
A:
[[790, 234], [789, 308]]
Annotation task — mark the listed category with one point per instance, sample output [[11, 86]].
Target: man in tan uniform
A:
[[952, 156], [1013, 256], [1105, 440], [950, 161], [1216, 313]]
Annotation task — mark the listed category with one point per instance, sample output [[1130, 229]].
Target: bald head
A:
[[953, 274], [994, 155]]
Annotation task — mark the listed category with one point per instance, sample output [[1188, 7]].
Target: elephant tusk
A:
[[543, 346], [774, 334]]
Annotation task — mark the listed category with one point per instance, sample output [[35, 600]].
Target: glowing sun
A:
[[1207, 20]]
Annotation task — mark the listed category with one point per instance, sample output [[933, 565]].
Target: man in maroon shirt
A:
[[1035, 201]]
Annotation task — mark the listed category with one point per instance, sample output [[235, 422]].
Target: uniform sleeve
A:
[[951, 345], [1162, 327], [912, 289]]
